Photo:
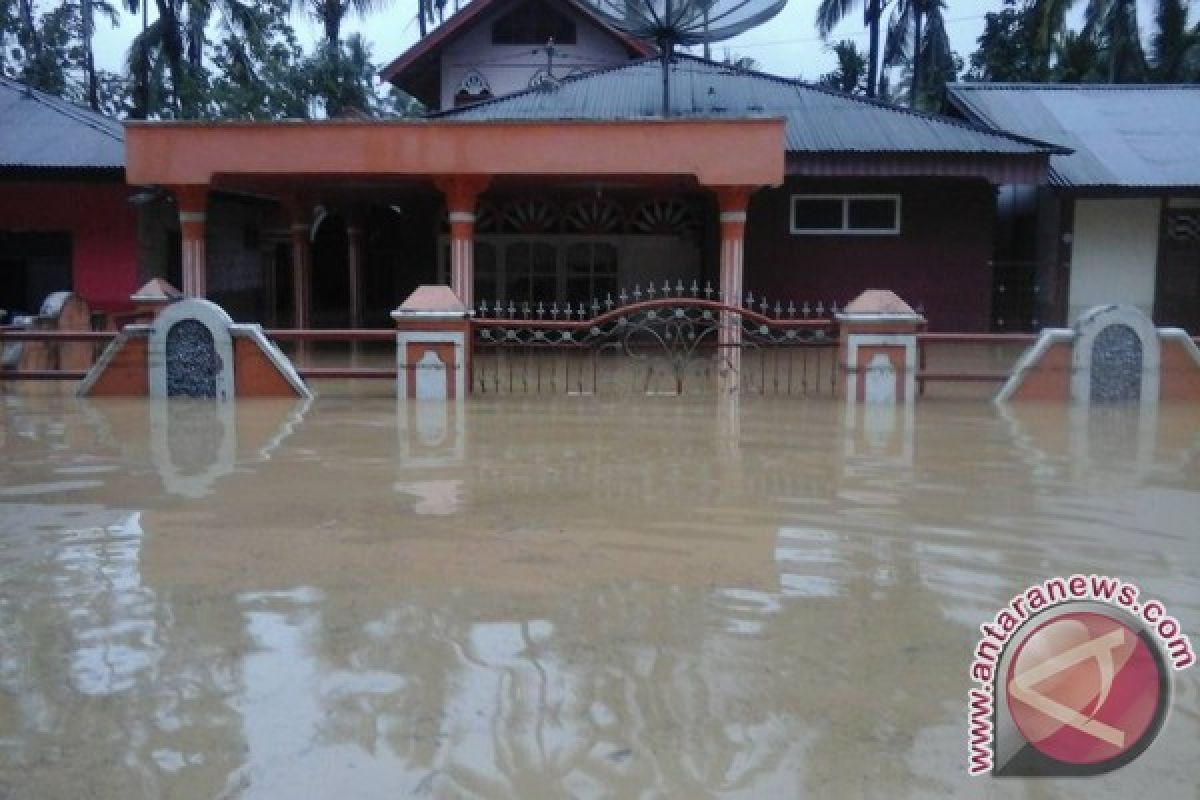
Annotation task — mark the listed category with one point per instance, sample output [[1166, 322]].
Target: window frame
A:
[[845, 229]]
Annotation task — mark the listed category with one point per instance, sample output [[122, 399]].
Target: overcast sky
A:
[[787, 45]]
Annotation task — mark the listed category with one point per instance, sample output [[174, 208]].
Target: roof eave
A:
[[996, 168]]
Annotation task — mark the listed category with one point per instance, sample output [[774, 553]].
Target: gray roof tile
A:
[[819, 120], [1123, 136], [41, 131]]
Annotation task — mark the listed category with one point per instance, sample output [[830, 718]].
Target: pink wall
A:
[[103, 228], [941, 258]]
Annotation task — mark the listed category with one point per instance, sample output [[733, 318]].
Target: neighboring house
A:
[[65, 217], [1119, 218], [494, 47], [875, 195]]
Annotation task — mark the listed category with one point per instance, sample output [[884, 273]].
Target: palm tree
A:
[[1077, 59], [173, 47], [831, 12], [1174, 49], [87, 18], [851, 73], [917, 39], [1114, 24], [332, 13], [1047, 23]]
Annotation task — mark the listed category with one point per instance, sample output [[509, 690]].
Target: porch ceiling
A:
[[738, 152]]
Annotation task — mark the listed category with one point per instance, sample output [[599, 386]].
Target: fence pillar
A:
[[462, 192], [433, 345], [192, 202], [732, 201], [877, 354]]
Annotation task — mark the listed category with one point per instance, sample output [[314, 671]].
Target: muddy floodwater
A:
[[550, 598]]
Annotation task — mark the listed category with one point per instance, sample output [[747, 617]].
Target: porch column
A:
[[354, 240], [461, 192], [193, 216], [301, 263], [732, 201]]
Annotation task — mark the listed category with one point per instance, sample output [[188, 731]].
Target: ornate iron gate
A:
[[663, 340]]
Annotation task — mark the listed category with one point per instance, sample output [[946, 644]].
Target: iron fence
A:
[[661, 340]]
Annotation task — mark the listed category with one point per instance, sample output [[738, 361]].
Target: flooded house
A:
[[546, 172]]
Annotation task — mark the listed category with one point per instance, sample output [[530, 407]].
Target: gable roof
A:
[[1122, 136], [462, 20], [40, 131], [819, 120]]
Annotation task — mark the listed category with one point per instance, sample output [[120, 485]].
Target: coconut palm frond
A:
[[831, 12]]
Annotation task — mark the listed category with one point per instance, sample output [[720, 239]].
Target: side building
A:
[[1119, 217], [66, 220]]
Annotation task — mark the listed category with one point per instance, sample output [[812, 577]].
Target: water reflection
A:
[[548, 598]]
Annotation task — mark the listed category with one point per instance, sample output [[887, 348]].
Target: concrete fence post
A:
[[433, 345], [877, 355]]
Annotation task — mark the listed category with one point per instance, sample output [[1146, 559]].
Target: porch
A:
[[507, 214]]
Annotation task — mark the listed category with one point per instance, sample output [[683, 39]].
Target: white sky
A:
[[787, 45]]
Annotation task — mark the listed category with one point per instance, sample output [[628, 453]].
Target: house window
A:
[[845, 214], [533, 23]]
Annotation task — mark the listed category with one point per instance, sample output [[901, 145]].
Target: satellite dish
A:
[[668, 23]]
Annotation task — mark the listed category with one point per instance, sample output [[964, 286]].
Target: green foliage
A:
[[1029, 41], [850, 76], [258, 66], [917, 44], [1174, 48], [1009, 48], [831, 12]]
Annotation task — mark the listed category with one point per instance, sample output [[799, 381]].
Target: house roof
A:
[[40, 131], [1122, 136], [819, 120], [461, 21]]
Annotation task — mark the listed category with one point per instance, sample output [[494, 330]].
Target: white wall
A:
[[508, 68], [1115, 253]]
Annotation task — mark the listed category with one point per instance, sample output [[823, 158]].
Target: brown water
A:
[[541, 599]]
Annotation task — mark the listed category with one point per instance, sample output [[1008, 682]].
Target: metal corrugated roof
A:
[[819, 120], [41, 131], [1123, 136]]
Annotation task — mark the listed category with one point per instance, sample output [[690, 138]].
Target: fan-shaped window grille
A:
[[593, 216], [528, 216], [533, 23], [666, 217]]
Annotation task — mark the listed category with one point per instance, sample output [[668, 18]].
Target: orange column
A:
[[193, 217], [732, 201], [301, 263], [462, 192], [354, 239]]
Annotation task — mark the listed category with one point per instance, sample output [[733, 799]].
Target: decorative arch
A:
[[473, 88], [594, 216], [532, 215], [667, 216]]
